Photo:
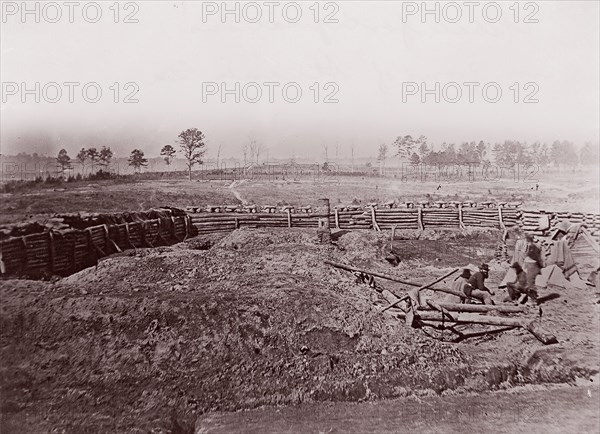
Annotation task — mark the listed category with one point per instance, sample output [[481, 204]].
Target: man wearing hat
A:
[[560, 230], [518, 288], [560, 253], [533, 265], [461, 285], [477, 285], [521, 250]]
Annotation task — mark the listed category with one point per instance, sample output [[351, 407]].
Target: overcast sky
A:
[[369, 53]]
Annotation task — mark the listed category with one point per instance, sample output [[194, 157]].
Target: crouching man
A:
[[460, 285], [477, 288], [517, 290]]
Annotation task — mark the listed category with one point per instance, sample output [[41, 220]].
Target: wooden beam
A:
[[391, 297], [457, 307], [440, 309], [534, 327], [404, 282], [426, 286], [470, 318], [372, 273]]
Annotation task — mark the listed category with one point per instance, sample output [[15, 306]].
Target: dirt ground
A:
[[523, 409], [150, 340], [110, 196], [557, 191]]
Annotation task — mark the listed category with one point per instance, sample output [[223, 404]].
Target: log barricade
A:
[[373, 217], [89, 238], [63, 252]]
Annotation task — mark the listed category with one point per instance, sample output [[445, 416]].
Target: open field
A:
[[557, 191], [109, 196]]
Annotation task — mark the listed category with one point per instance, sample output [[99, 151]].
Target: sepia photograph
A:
[[303, 216]]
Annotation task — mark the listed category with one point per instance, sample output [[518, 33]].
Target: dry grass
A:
[[567, 190]]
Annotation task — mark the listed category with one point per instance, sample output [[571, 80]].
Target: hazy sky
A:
[[369, 53]]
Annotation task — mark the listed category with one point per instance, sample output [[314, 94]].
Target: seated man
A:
[[518, 288], [478, 289], [460, 285]]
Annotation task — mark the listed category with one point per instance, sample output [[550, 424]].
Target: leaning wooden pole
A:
[[372, 273], [395, 279], [426, 286]]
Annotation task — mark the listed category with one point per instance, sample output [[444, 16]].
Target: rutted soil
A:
[[153, 338]]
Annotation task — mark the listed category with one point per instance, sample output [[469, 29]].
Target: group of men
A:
[[527, 264], [473, 285], [528, 261]]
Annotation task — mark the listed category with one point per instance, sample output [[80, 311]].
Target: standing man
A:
[[560, 253], [520, 251], [477, 285], [533, 265]]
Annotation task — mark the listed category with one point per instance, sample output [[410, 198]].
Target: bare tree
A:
[[258, 149], [245, 152], [326, 148], [254, 151], [383, 149], [219, 153]]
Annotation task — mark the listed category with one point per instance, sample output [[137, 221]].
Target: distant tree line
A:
[[413, 150], [191, 143], [97, 158], [508, 154]]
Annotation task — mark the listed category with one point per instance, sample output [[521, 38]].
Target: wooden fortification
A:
[[78, 242]]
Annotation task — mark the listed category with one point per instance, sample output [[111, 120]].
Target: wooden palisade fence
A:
[[64, 252]]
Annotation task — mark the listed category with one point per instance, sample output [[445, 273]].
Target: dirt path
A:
[[236, 193], [547, 410]]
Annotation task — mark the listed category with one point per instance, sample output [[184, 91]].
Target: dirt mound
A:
[[246, 238], [363, 248]]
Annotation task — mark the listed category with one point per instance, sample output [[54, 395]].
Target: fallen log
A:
[[427, 285], [456, 307], [440, 309]]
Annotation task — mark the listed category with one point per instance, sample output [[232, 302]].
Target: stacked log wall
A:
[[66, 251], [63, 252]]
